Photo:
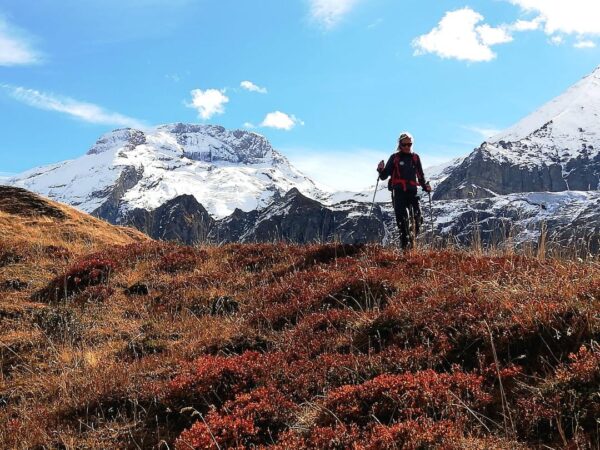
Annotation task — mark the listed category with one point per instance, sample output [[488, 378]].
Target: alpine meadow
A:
[[314, 224]]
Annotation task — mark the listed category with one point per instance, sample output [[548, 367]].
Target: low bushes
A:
[[329, 347], [85, 273]]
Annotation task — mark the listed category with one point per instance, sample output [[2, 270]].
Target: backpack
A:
[[395, 178]]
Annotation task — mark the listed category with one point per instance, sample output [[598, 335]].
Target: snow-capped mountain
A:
[[557, 148], [130, 169]]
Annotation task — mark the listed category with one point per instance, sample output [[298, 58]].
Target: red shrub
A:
[[583, 367], [404, 397], [338, 437], [415, 434], [85, 273], [181, 259], [326, 332], [230, 432], [566, 405], [215, 379], [251, 419]]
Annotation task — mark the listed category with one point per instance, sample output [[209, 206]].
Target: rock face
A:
[[291, 218], [482, 175], [110, 210], [569, 220], [296, 218], [557, 148], [181, 219]]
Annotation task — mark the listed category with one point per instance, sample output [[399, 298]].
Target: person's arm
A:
[[419, 170], [387, 170], [421, 176]]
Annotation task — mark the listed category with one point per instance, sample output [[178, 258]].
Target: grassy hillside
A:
[[153, 345]]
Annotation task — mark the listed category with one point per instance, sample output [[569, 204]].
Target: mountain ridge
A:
[[556, 148]]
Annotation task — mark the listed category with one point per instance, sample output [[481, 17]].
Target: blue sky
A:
[[331, 83]]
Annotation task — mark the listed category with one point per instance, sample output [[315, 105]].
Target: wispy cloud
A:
[[173, 77], [585, 44], [459, 36], [250, 86], [484, 132], [375, 24], [281, 121], [16, 46], [209, 102], [328, 13], [86, 112]]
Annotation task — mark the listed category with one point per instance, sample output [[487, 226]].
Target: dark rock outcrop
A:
[[181, 219], [109, 210], [296, 218]]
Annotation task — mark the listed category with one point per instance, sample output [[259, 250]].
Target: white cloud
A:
[[557, 40], [250, 86], [585, 44], [208, 102], [458, 36], [493, 36], [581, 17], [526, 25], [281, 121], [249, 125], [330, 12], [87, 112], [15, 46]]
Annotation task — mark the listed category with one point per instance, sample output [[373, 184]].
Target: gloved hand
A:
[[427, 187], [380, 166]]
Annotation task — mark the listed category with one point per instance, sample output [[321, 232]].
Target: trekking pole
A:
[[431, 216], [374, 194]]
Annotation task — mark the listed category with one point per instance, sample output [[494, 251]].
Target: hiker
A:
[[406, 171]]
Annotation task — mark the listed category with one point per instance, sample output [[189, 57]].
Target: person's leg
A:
[[400, 204]]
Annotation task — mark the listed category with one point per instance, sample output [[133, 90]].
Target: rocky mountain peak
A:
[[574, 113], [128, 138], [556, 148], [214, 143]]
